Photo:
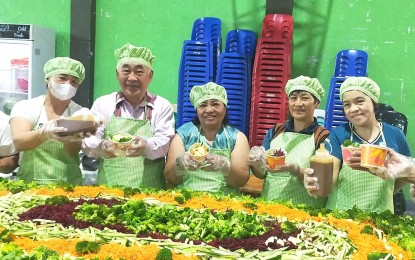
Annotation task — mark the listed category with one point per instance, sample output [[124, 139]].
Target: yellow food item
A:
[[200, 150], [84, 117]]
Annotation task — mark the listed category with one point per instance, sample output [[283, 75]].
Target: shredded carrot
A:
[[117, 251], [3, 192], [62, 246], [79, 191], [114, 250]]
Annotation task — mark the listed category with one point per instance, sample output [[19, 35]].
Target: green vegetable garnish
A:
[[6, 236], [180, 199], [250, 205], [164, 254], [288, 227], [367, 230], [86, 247], [348, 142], [121, 137], [43, 252], [57, 200]]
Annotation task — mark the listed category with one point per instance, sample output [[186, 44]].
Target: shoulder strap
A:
[[320, 135], [150, 99], [278, 129]]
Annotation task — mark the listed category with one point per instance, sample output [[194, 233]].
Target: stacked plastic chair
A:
[[198, 63], [234, 73], [348, 63], [271, 71]]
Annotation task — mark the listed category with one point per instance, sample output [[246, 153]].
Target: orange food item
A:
[[372, 155], [275, 161]]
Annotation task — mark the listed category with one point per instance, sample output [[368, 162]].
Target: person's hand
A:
[[106, 149], [292, 168], [310, 182], [137, 147], [396, 166], [354, 161], [51, 131], [70, 138], [215, 162], [257, 158], [186, 161], [276, 170], [98, 121]]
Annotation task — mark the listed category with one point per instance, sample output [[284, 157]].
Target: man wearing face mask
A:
[[46, 156], [133, 110]]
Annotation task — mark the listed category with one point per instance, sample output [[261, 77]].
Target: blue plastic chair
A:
[[241, 41], [348, 63], [233, 74], [196, 68], [334, 108], [351, 63], [209, 29]]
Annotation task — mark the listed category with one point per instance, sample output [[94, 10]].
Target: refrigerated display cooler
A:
[[24, 49]]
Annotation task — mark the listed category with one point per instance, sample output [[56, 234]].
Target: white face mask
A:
[[62, 91]]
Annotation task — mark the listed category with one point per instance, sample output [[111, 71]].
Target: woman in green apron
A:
[[357, 187], [225, 167], [46, 156], [300, 136]]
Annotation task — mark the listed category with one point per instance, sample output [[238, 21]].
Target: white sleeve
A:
[[103, 108], [163, 129], [29, 109], [6, 142]]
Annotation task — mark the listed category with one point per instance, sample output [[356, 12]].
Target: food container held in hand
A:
[[347, 149], [347, 152], [372, 156], [199, 151], [121, 140], [77, 124], [275, 158]]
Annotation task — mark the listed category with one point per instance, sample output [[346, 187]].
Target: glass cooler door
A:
[[14, 72]]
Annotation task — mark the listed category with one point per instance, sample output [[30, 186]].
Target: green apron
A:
[[209, 181], [49, 163], [361, 189], [284, 186], [133, 172]]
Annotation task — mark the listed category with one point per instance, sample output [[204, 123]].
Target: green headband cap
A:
[[305, 83], [362, 84], [64, 65], [210, 90], [132, 54]]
